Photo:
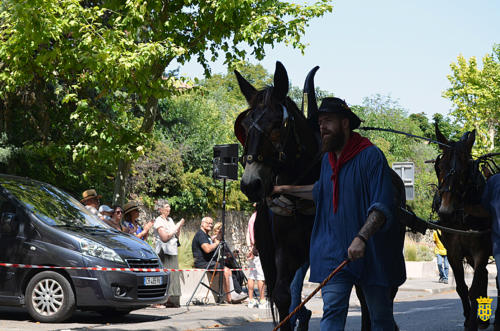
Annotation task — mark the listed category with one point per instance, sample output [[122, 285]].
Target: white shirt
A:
[[92, 209], [169, 247]]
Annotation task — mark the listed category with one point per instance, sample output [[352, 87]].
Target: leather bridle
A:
[[281, 149], [448, 183]]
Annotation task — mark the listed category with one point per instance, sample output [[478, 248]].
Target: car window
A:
[[6, 206], [7, 214], [51, 205]]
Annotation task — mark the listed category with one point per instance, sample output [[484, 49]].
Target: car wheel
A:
[[49, 297]]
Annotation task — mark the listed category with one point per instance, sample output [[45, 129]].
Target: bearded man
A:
[[354, 219]]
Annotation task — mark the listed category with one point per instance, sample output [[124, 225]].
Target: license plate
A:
[[152, 281]]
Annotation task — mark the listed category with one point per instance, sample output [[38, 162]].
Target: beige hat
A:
[[130, 206], [90, 194]]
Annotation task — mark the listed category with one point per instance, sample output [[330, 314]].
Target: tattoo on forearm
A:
[[375, 221]]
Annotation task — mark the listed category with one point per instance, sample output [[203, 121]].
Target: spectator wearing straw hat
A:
[[91, 200], [131, 214]]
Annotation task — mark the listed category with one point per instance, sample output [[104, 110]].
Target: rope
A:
[[369, 128], [435, 226], [323, 283], [33, 266]]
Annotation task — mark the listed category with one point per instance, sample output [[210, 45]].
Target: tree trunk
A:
[[151, 109], [121, 182], [119, 194], [491, 134]]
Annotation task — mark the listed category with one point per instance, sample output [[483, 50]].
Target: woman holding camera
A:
[[167, 234]]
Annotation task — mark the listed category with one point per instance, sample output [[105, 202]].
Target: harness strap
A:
[[435, 226]]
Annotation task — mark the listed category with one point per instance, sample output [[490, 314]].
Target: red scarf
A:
[[355, 144]]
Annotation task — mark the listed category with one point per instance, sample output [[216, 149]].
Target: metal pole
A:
[[222, 242]]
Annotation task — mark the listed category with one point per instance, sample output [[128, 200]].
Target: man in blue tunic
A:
[[354, 219]]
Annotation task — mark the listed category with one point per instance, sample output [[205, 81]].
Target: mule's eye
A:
[[275, 135]]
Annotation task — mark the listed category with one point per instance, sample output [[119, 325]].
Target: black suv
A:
[[42, 225]]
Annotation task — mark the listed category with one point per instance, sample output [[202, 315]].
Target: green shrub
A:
[[414, 251], [424, 253], [186, 259], [410, 250]]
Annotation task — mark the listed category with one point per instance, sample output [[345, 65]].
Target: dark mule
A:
[[460, 182], [282, 146]]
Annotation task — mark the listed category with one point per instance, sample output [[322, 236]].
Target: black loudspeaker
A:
[[225, 161]]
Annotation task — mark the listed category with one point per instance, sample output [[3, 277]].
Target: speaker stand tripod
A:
[[219, 256]]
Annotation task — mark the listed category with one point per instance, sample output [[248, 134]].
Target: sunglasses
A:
[[118, 212]]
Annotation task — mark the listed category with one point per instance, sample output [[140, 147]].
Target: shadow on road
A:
[[79, 317]]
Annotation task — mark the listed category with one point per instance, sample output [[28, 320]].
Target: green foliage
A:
[[196, 121], [383, 112], [414, 251], [193, 123], [5, 150], [296, 93], [157, 174], [475, 93], [185, 253], [83, 78], [448, 127], [197, 197]]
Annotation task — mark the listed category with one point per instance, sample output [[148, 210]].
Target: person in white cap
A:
[[105, 213]]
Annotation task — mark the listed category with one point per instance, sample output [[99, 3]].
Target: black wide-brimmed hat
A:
[[338, 106]]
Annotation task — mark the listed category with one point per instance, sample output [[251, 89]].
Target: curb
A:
[[204, 322], [428, 290]]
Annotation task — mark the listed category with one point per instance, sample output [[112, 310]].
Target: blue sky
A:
[[398, 48]]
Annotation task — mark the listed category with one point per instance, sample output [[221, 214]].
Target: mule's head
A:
[[454, 171], [269, 132]]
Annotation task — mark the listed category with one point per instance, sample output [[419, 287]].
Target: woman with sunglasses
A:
[[116, 219]]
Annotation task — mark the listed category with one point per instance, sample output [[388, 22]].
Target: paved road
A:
[[420, 305], [421, 312]]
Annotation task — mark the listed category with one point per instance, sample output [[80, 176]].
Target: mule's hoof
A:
[[304, 324], [471, 328], [483, 324]]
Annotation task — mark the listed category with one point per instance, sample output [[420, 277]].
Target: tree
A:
[[475, 93], [423, 123], [83, 78], [196, 121], [384, 112]]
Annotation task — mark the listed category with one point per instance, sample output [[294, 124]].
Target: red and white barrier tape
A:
[[32, 266]]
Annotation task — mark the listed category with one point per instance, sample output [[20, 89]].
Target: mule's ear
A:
[[470, 140], [239, 131], [442, 139], [309, 104], [280, 82], [245, 87]]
